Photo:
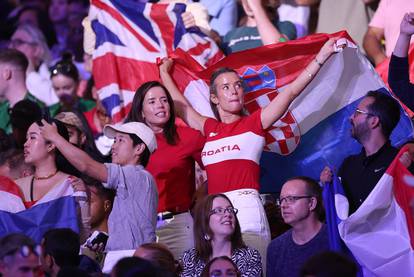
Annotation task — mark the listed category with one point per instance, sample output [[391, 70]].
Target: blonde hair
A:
[[38, 38]]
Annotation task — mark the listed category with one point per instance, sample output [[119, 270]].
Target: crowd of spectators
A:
[[139, 201]]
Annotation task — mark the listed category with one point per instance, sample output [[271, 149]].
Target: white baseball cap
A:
[[135, 128]]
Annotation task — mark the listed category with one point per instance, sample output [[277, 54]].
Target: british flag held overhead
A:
[[130, 36]]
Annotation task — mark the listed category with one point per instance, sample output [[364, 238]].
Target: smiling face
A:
[[229, 94], [155, 108], [222, 225], [35, 148]]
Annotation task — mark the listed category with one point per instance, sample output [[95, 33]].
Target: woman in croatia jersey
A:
[[234, 142], [172, 164]]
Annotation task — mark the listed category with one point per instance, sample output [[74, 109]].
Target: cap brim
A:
[[110, 131]]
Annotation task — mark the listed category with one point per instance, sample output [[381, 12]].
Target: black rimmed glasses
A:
[[222, 211], [291, 199]]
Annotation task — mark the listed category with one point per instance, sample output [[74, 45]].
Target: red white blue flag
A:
[[315, 131], [130, 36], [57, 209]]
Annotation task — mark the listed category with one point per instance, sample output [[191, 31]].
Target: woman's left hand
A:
[[326, 51]]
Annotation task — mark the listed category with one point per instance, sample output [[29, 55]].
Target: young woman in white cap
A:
[[133, 217]]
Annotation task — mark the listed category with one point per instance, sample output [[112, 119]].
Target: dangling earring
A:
[[206, 237]]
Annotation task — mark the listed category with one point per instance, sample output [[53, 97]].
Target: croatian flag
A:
[[130, 36], [380, 234], [57, 209], [315, 131]]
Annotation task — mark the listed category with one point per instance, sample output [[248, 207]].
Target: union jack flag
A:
[[130, 36]]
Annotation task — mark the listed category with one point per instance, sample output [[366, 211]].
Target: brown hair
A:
[[135, 114], [160, 256], [202, 228], [213, 88], [206, 270]]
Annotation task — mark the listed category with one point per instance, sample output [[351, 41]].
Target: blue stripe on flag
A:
[[34, 222], [327, 143], [111, 102], [106, 35], [134, 11]]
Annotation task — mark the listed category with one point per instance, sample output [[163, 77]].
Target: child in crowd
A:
[[133, 217]]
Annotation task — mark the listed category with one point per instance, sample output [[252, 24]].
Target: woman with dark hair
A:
[[217, 233], [51, 172], [234, 142], [172, 165], [221, 266], [65, 81]]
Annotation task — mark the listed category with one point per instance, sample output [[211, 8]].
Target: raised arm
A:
[[406, 31], [269, 34], [372, 44], [279, 105], [182, 106], [78, 158]]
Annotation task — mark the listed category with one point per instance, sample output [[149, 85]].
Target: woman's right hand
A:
[[326, 51]]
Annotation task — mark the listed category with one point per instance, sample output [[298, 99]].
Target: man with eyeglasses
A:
[[372, 124], [19, 256], [301, 207]]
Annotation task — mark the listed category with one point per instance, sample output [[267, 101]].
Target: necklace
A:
[[46, 177]]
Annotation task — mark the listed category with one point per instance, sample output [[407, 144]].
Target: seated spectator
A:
[[30, 40], [159, 255], [217, 233], [258, 29], [220, 266], [19, 256], [13, 66], [134, 266], [134, 214], [12, 164], [65, 81], [399, 73], [301, 204], [329, 264], [60, 249]]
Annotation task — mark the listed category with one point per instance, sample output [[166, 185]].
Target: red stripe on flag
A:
[[115, 14], [128, 73], [10, 186], [158, 15]]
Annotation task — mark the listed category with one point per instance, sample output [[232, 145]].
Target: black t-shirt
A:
[[360, 173]]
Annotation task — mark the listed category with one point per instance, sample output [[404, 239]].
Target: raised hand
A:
[[326, 175], [407, 24]]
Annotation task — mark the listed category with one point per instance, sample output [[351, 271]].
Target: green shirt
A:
[[5, 113]]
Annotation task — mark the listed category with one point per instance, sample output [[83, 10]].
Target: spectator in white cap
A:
[[133, 217]]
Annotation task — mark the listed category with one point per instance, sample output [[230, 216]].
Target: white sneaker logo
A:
[[378, 169]]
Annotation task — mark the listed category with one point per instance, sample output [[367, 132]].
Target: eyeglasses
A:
[[358, 111], [18, 42], [25, 251], [220, 273], [291, 199], [222, 211]]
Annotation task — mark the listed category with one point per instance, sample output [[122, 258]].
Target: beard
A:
[[361, 132]]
